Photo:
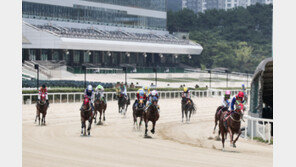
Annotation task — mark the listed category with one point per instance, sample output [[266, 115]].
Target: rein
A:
[[235, 119]]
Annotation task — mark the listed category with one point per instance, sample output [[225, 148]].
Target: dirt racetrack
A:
[[118, 143]]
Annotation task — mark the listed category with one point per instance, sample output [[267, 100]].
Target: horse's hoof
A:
[[223, 149], [234, 146], [152, 131], [104, 119]]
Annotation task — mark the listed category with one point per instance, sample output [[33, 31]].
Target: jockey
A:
[[225, 100], [245, 93], [100, 92], [89, 92], [123, 90], [117, 88], [43, 89], [186, 94], [152, 95], [142, 93], [147, 92], [239, 98]]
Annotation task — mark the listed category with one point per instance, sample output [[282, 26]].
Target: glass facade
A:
[[159, 5], [88, 14]]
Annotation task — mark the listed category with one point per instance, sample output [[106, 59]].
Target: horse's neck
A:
[[236, 115]]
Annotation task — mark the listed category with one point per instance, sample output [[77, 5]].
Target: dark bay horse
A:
[[233, 124], [41, 107], [99, 106], [86, 114], [218, 113], [138, 111], [151, 115], [123, 104], [187, 106]]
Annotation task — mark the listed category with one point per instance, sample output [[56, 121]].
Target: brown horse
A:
[[151, 115], [41, 107], [99, 106], [138, 111], [219, 111], [233, 124], [187, 106], [123, 104], [86, 114]]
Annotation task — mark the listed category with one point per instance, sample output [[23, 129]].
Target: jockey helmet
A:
[[147, 90], [243, 86], [154, 93], [185, 89], [227, 93], [43, 86], [240, 94], [89, 88]]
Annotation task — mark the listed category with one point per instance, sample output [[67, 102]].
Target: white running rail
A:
[[258, 127], [77, 96]]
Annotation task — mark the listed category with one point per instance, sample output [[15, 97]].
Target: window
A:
[[86, 57], [76, 57]]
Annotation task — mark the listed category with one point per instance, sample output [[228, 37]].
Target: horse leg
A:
[[104, 115], [89, 125], [146, 127], [39, 118], [182, 114], [153, 127], [239, 133], [82, 126], [231, 135], [223, 139], [101, 115], [216, 120], [42, 120], [141, 119], [186, 115], [190, 115], [95, 115]]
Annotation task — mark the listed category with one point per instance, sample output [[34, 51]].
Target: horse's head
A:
[[43, 98], [240, 109], [141, 101], [86, 103]]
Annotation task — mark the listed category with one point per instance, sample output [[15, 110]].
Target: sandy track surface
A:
[[118, 143]]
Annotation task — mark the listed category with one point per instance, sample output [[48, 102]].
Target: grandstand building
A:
[[101, 33]]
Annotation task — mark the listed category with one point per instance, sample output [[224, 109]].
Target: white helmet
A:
[[89, 87], [154, 93]]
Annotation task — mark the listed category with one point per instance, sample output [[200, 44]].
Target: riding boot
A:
[[47, 103]]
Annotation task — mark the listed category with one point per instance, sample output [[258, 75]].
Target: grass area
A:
[[263, 141], [188, 79]]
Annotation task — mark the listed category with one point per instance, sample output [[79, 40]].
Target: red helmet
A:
[[240, 94]]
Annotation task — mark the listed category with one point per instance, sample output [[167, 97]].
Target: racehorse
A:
[[41, 107], [219, 111], [86, 114], [151, 115], [187, 106], [138, 111], [233, 124], [99, 105], [123, 104]]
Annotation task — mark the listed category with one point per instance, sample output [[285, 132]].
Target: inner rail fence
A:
[[257, 127], [76, 97]]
